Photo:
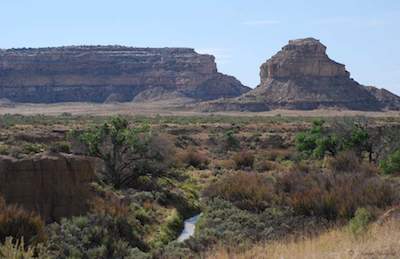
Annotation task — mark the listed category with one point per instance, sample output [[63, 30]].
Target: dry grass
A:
[[380, 241], [166, 108]]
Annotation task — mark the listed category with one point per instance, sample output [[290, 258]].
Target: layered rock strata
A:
[[302, 77], [111, 74]]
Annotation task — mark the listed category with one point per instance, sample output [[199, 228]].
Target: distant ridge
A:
[[111, 74]]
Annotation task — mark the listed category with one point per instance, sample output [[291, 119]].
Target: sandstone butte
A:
[[302, 77], [111, 74]]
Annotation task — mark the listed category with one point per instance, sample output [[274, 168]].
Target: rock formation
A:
[[111, 74], [388, 100], [55, 186], [302, 76]]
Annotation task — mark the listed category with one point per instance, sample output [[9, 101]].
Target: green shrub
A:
[[96, 236], [170, 230], [128, 152], [230, 140], [317, 142], [359, 223], [391, 165], [31, 148], [4, 150]]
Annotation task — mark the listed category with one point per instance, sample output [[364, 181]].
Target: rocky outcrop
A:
[[389, 100], [111, 74], [299, 59], [301, 76], [55, 186]]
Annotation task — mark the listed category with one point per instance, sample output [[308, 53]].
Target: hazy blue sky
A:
[[363, 34]]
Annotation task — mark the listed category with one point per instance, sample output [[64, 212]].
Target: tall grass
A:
[[379, 241]]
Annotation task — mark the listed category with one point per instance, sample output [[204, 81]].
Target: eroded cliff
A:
[[55, 186], [111, 73]]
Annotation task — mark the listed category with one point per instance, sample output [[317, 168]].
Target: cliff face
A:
[[301, 76], [110, 73], [302, 58], [55, 186]]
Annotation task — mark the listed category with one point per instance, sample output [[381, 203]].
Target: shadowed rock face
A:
[[301, 76], [55, 186], [110, 73]]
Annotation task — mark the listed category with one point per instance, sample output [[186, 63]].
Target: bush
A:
[[243, 159], [17, 223], [96, 236], [359, 223], [391, 165], [170, 230], [4, 150], [248, 191], [346, 161], [278, 154], [230, 140], [317, 142], [31, 148], [109, 206], [334, 196], [193, 157], [128, 152], [265, 165], [60, 147]]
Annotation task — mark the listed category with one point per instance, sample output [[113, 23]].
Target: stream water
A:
[[188, 230]]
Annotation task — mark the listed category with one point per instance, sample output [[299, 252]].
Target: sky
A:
[[242, 34]]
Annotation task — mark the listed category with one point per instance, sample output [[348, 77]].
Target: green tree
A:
[[359, 141], [231, 141], [391, 164], [317, 142], [127, 152]]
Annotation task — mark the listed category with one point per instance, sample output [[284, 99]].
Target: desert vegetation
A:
[[262, 184]]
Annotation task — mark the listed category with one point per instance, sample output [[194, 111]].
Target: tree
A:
[[231, 142], [391, 164], [127, 152], [317, 141], [366, 138]]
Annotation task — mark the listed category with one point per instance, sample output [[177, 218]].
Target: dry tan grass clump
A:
[[18, 223], [380, 241]]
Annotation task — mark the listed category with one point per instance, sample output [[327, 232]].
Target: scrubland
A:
[[267, 187]]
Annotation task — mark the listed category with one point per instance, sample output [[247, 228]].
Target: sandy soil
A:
[[154, 109]]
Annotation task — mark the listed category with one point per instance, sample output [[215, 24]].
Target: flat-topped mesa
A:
[[302, 58], [95, 73]]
